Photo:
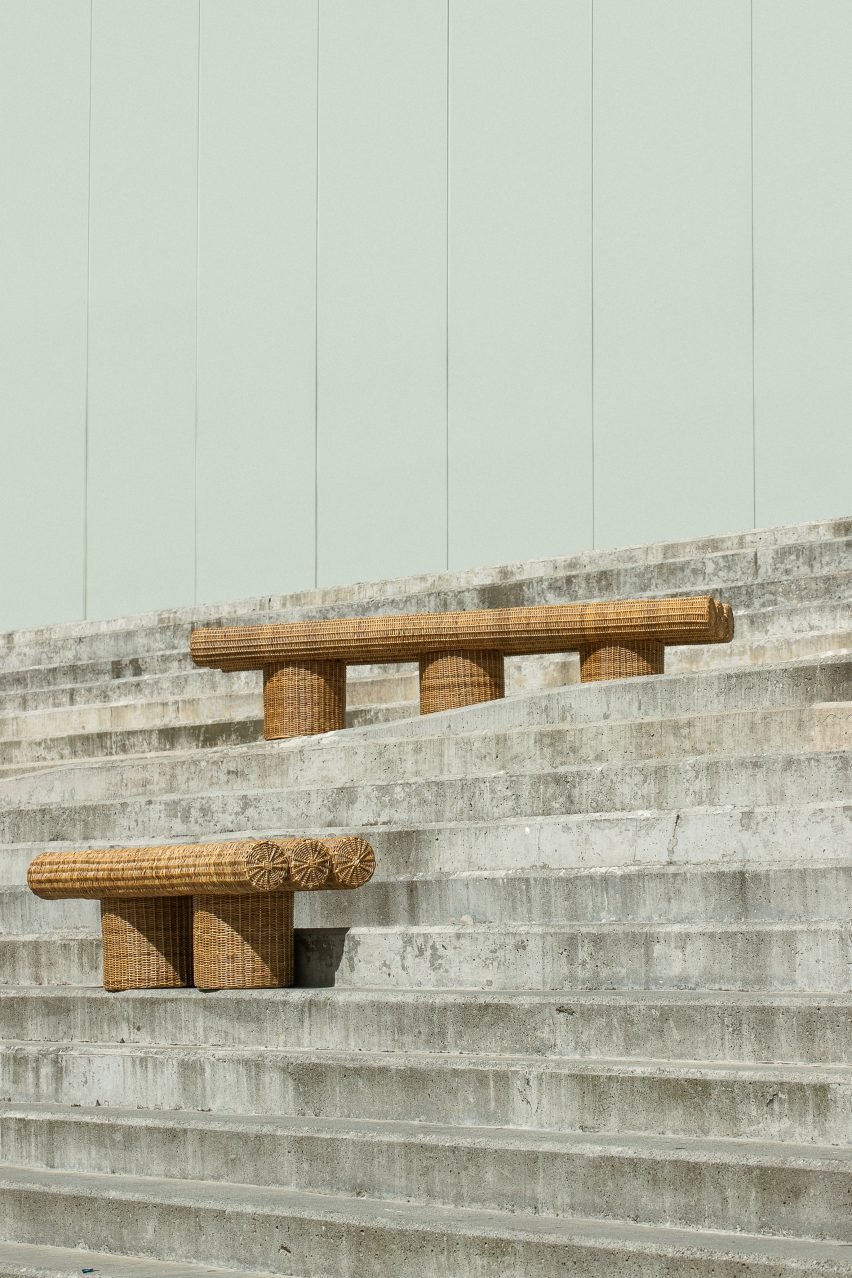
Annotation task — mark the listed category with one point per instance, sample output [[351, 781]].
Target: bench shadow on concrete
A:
[[318, 954]]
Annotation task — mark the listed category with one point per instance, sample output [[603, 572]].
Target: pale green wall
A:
[[298, 291]]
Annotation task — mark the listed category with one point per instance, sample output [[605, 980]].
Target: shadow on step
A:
[[318, 955]]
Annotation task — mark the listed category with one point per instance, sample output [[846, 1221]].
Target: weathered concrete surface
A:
[[592, 1016]]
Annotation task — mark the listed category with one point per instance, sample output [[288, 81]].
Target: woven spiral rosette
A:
[[268, 866], [309, 865], [353, 861]]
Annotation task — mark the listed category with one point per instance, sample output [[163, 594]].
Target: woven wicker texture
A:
[[549, 628], [147, 944], [302, 698], [449, 680], [353, 861], [621, 660], [243, 942], [232, 868]]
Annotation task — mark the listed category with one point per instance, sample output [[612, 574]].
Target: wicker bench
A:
[[217, 915], [460, 653]]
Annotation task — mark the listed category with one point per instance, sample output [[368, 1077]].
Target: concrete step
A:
[[665, 894], [58, 958], [810, 956], [782, 686], [810, 1104], [806, 1029], [761, 651], [340, 759], [784, 835], [347, 1237], [33, 752], [737, 780], [785, 957], [718, 573], [747, 1186], [34, 1260]]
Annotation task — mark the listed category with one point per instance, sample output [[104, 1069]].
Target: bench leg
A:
[[243, 942], [302, 698], [621, 660], [147, 943], [449, 680]]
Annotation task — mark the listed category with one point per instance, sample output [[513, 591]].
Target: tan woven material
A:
[[622, 660], [147, 944], [243, 942], [548, 628], [353, 861], [239, 866], [302, 698], [449, 680]]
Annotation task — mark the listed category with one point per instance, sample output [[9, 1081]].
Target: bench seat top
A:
[[511, 631], [234, 868]]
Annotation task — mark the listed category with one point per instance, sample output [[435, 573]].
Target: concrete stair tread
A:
[[222, 692], [333, 741], [253, 1204], [650, 1146], [565, 956], [279, 999], [735, 760], [31, 847], [36, 1260], [736, 835], [691, 894], [828, 1072]]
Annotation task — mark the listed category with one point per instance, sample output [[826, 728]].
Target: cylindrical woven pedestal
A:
[[301, 698], [147, 943], [621, 660], [449, 680], [243, 942]]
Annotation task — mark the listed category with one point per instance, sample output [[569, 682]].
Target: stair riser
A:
[[738, 836], [666, 1189], [787, 960], [561, 960], [779, 648], [664, 785], [739, 689], [760, 895], [656, 1027], [22, 914], [806, 1110], [663, 697], [341, 762], [694, 897], [336, 1248], [89, 720]]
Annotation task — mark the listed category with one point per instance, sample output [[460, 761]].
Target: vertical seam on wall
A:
[[316, 305], [197, 292], [753, 373], [592, 252], [88, 326], [447, 305]]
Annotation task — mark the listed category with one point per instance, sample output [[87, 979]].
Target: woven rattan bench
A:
[[460, 653], [217, 915]]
